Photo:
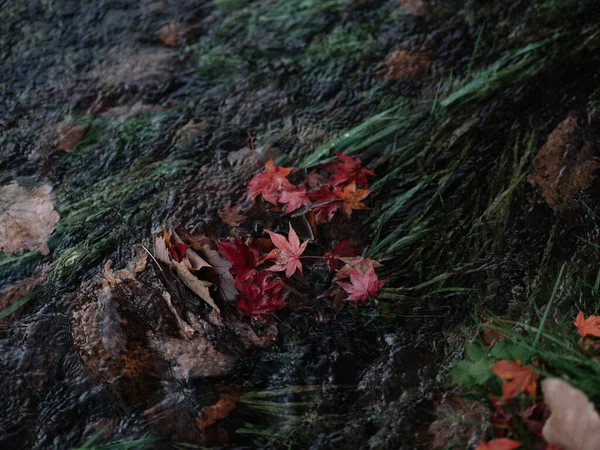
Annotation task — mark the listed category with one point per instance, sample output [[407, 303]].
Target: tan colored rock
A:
[[415, 7]]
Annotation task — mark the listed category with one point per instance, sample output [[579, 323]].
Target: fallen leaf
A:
[[325, 203], [69, 134], [362, 287], [563, 165], [515, 378], [27, 218], [414, 7], [287, 254], [293, 198], [225, 282], [589, 326], [358, 263], [231, 216], [498, 444], [196, 285], [243, 258], [270, 182], [225, 404], [259, 296], [348, 170], [189, 131], [402, 64], [351, 198], [170, 34], [574, 423], [340, 250]]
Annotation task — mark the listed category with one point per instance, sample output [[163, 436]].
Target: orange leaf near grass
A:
[[589, 326], [498, 444], [515, 378]]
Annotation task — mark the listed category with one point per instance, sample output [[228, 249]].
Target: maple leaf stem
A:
[[253, 151]]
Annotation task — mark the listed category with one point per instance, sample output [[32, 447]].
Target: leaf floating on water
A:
[[27, 218], [574, 423]]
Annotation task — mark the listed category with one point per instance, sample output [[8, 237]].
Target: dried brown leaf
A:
[[196, 285], [27, 218], [563, 165], [403, 64], [68, 135], [415, 7]]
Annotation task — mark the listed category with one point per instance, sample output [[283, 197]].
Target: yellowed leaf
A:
[[27, 218]]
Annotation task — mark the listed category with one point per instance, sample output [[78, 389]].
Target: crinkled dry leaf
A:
[[27, 218], [574, 423], [194, 284], [226, 283]]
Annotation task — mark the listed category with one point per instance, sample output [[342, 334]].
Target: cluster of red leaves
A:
[[343, 191]]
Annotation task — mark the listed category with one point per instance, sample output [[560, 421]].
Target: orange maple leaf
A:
[[498, 444], [287, 254], [352, 197], [589, 326], [515, 378], [270, 182]]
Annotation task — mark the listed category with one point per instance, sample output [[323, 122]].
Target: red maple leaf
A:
[[340, 250], [589, 326], [515, 378], [259, 296], [358, 263], [294, 198], [243, 259], [362, 287], [287, 254], [270, 182], [348, 170], [498, 444], [325, 203], [351, 197]]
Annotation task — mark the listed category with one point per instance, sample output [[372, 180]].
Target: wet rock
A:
[[565, 164]]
